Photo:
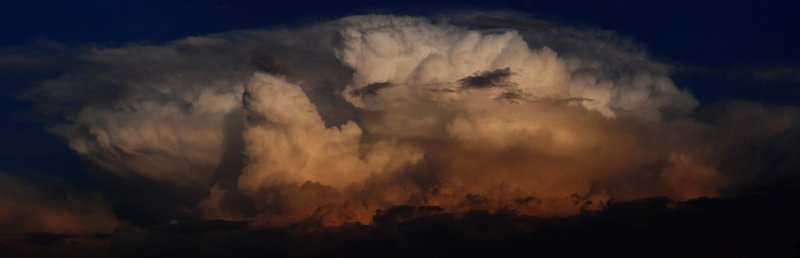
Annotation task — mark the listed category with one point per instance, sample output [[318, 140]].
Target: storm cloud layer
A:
[[331, 122]]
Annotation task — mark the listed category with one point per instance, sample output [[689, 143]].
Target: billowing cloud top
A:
[[343, 118]]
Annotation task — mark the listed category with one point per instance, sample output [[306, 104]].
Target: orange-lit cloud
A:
[[25, 208]]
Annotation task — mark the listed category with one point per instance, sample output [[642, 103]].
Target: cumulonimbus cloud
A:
[[367, 112]]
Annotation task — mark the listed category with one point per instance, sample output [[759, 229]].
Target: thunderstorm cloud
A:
[[336, 120]]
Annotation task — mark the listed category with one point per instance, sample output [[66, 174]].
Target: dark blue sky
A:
[[716, 46]]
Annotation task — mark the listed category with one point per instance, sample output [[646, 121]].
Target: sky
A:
[[139, 114]]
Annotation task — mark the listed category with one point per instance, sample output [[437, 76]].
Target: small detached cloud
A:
[[487, 79]]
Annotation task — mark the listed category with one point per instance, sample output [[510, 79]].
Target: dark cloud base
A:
[[759, 223]]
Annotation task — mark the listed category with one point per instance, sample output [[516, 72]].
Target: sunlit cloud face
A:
[[344, 118]]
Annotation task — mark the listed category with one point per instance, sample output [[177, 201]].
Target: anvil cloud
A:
[[337, 120]]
